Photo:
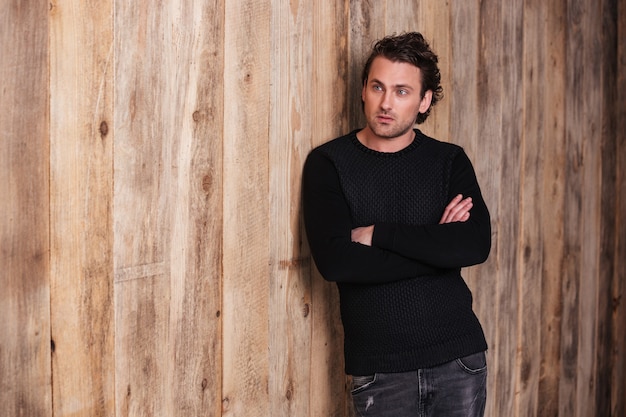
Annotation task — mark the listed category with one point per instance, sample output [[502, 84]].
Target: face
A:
[[392, 98]]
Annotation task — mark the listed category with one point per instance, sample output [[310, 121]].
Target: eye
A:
[[403, 92], [377, 87]]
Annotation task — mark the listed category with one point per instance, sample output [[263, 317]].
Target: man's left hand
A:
[[363, 235]]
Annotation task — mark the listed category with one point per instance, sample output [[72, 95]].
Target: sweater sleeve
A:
[[450, 245], [328, 225]]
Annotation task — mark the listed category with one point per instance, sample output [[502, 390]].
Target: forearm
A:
[[328, 225], [453, 244], [343, 261]]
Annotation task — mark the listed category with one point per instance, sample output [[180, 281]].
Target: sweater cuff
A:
[[383, 236]]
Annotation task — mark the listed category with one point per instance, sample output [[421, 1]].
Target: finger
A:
[[461, 211], [458, 210], [446, 212], [464, 216]]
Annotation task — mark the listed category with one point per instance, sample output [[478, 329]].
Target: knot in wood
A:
[[104, 128], [207, 181]]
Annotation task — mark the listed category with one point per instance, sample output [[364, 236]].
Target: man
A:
[[392, 216]]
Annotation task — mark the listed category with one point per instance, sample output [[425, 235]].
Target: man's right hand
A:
[[457, 210]]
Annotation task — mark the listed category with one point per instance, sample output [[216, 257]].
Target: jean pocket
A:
[[473, 364], [359, 383]]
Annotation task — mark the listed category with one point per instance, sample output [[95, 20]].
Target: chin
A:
[[389, 133]]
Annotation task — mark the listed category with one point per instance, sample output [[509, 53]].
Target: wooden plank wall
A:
[[81, 151], [167, 207], [153, 261], [24, 212], [618, 329]]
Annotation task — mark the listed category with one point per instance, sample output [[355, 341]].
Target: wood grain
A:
[[550, 90], [618, 298], [195, 310], [516, 374], [144, 170], [289, 140], [582, 213], [471, 103], [246, 284], [81, 199], [367, 24], [329, 107], [168, 208], [25, 348], [532, 221], [434, 22], [608, 155]]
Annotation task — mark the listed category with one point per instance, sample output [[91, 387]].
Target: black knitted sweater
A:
[[404, 304]]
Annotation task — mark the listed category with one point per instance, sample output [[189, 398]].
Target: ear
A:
[[363, 90], [426, 100]]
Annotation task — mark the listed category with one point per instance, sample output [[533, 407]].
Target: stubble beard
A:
[[390, 131]]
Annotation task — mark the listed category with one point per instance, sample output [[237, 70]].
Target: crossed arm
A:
[[389, 252], [458, 210]]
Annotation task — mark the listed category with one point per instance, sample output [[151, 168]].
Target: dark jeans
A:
[[457, 388]]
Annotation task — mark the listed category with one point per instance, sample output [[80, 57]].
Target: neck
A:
[[383, 144]]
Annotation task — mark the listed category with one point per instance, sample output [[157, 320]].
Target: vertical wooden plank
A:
[[246, 286], [476, 115], [532, 239], [400, 16], [608, 151], [618, 342], [143, 166], [516, 207], [586, 93], [432, 19], [534, 174], [550, 91], [582, 212], [81, 176], [434, 22], [367, 25], [571, 219], [195, 351], [497, 137], [542, 230], [328, 390], [289, 141], [168, 202], [24, 224]]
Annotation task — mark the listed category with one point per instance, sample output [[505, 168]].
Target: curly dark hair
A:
[[413, 49]]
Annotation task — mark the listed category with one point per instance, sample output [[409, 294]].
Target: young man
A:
[[392, 216]]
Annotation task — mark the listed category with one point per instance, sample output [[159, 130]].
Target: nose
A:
[[385, 101]]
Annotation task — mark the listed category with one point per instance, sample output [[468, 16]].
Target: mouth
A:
[[383, 118]]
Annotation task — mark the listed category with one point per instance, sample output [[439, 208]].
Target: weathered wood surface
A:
[[168, 208], [246, 238], [485, 120], [618, 299], [291, 94], [607, 239], [581, 215], [330, 45], [152, 156], [81, 196], [542, 200], [25, 374]]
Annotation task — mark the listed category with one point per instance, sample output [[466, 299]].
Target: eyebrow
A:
[[377, 81]]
